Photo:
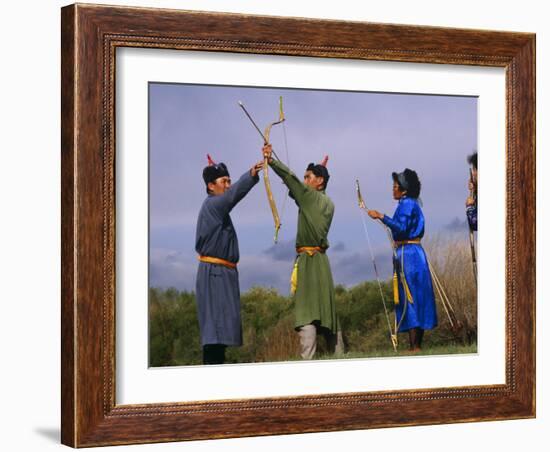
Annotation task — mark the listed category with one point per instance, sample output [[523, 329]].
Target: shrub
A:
[[268, 317]]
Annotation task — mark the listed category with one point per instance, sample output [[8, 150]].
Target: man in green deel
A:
[[312, 283]]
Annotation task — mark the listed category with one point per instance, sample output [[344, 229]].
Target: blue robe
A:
[[471, 214], [217, 286], [407, 223]]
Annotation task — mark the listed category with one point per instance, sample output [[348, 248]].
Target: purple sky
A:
[[366, 135]]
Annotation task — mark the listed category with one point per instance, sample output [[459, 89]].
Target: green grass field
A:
[[268, 328]]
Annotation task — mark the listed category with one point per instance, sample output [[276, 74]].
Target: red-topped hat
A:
[[213, 170], [320, 169]]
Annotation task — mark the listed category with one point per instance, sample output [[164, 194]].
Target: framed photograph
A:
[[389, 278]]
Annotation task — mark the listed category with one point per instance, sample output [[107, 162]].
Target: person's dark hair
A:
[[472, 160], [408, 180], [319, 171]]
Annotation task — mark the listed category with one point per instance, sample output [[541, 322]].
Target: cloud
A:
[[339, 247], [171, 268], [172, 257], [282, 251], [456, 225], [355, 268], [265, 271], [400, 133]]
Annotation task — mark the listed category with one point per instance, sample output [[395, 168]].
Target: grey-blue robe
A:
[[217, 288]]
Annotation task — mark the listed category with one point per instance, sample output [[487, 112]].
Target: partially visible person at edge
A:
[[217, 286], [311, 283], [413, 289], [471, 201]]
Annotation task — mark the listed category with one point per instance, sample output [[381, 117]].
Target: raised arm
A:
[[224, 203], [298, 190]]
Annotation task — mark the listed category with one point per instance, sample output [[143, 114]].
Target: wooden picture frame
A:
[[90, 36]]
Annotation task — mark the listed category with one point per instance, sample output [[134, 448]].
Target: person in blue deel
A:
[[413, 289], [217, 286], [471, 201]]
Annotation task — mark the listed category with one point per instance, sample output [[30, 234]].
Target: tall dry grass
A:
[[281, 343], [451, 259]]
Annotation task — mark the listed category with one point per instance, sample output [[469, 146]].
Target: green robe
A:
[[314, 298]]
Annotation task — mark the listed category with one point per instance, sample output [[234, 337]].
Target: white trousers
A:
[[308, 340]]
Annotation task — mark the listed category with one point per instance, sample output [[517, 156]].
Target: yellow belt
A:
[[407, 242], [217, 260], [310, 250]]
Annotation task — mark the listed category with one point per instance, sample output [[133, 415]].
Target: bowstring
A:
[[362, 214], [288, 165]]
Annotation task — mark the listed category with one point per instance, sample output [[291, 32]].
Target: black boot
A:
[[419, 337], [213, 354], [415, 339]]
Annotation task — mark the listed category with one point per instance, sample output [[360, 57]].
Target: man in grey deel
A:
[[217, 286]]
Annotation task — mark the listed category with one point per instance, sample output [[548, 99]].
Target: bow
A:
[[265, 137], [363, 207]]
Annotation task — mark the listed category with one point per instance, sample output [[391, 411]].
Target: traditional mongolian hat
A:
[[408, 180], [320, 170], [213, 170]]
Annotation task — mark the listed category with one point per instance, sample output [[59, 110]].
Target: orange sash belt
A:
[[310, 250], [407, 242], [217, 260]]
